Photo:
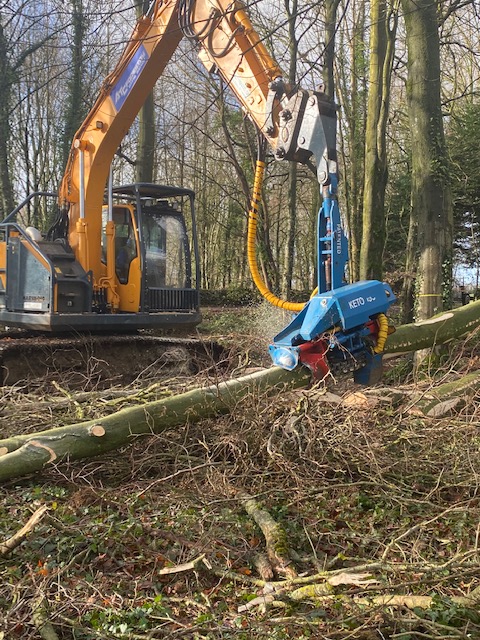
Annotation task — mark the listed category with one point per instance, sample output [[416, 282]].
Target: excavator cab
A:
[[153, 248], [148, 275]]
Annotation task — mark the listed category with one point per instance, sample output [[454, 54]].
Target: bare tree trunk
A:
[[290, 245], [75, 111], [291, 7], [351, 90], [146, 141], [382, 46], [408, 287], [146, 126], [431, 198], [6, 73], [330, 18]]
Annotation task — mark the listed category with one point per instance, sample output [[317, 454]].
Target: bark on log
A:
[[24, 454], [276, 542], [443, 399], [439, 329]]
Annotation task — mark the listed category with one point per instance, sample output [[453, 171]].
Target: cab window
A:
[[165, 241], [125, 245]]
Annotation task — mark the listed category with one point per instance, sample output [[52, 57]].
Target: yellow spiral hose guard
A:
[[251, 245], [382, 322]]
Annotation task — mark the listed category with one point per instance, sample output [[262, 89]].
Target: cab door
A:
[[127, 256], [167, 272]]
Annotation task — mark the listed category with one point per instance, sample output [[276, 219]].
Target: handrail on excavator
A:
[[36, 194]]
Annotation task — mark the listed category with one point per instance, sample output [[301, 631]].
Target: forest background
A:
[[406, 76]]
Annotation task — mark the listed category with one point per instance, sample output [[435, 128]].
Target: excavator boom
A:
[[123, 257]]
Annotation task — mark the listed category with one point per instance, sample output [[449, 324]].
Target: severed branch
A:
[[276, 542], [17, 539], [324, 589], [193, 565], [329, 586], [318, 594]]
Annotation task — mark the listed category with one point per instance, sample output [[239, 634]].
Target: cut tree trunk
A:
[[24, 454], [439, 329]]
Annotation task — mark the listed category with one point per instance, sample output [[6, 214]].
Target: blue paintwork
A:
[[332, 247], [339, 317], [349, 307], [339, 312], [371, 373], [129, 77]]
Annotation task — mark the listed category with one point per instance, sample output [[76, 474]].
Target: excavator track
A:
[[99, 360]]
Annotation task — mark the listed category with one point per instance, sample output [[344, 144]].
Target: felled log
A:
[[276, 541], [24, 454], [439, 329], [447, 397]]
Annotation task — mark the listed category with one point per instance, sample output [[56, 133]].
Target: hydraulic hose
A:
[[251, 245], [382, 320], [382, 333]]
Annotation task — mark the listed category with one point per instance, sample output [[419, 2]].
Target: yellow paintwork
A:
[[229, 42], [110, 280], [129, 294], [3, 262]]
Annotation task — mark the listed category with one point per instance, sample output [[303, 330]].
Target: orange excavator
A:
[[125, 257], [131, 262]]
